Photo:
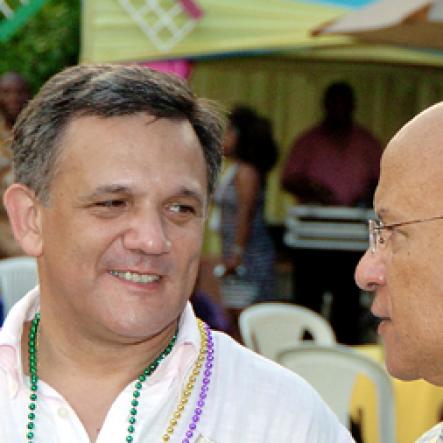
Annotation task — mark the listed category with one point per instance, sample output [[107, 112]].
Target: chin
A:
[[136, 331], [399, 366]]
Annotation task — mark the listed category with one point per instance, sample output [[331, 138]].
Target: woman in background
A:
[[248, 249]]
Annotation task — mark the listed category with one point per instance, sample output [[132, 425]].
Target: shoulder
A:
[[246, 175], [281, 401], [309, 135], [254, 368], [246, 170], [365, 135]]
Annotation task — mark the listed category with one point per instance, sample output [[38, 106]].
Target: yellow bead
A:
[[187, 391]]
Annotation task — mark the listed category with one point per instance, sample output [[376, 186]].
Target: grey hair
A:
[[106, 91]]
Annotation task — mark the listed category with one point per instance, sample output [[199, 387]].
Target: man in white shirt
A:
[[403, 265], [114, 167]]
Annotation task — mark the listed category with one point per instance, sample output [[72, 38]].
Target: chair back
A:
[[332, 371], [18, 275], [271, 327]]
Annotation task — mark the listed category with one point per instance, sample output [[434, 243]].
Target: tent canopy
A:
[[115, 30], [143, 30], [411, 23]]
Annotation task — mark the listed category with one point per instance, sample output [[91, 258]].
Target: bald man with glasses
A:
[[403, 266]]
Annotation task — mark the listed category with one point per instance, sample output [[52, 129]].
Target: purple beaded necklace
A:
[[207, 348], [198, 410]]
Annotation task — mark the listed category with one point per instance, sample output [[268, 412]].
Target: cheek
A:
[[416, 286], [77, 240], [187, 247]]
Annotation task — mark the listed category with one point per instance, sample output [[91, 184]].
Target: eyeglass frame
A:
[[375, 227]]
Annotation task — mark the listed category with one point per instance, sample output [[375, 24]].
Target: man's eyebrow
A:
[[392, 216], [382, 213], [188, 192], [106, 189], [124, 189]]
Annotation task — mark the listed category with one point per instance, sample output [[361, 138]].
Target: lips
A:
[[136, 277]]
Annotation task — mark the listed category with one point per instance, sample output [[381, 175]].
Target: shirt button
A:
[[63, 412]]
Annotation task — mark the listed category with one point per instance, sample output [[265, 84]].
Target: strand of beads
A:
[[32, 352], [189, 386], [147, 372], [198, 410], [206, 352], [33, 375]]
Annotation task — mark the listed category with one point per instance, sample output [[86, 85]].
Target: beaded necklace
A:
[[206, 356]]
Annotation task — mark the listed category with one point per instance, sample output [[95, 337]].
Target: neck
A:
[[338, 127], [76, 371], [63, 353]]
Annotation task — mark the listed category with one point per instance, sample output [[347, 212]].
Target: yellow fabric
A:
[[418, 404], [289, 92], [357, 51]]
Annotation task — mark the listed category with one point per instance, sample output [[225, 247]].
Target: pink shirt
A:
[[347, 173], [250, 399]]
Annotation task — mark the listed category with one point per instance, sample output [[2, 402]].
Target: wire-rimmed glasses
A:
[[377, 228]]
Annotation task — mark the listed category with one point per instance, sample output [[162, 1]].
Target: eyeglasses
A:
[[377, 228]]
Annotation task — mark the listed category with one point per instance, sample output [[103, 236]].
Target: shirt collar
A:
[[184, 353], [11, 335], [185, 350]]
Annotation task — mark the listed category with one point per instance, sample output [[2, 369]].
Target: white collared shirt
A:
[[250, 399], [434, 435]]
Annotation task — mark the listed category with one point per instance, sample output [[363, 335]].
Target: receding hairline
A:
[[107, 90]]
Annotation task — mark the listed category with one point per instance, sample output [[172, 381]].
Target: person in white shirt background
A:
[[404, 262], [114, 167]]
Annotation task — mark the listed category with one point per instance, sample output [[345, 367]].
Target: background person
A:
[[240, 196], [334, 163], [114, 166], [14, 94], [403, 264]]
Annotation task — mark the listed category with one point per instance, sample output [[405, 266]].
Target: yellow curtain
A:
[[289, 92]]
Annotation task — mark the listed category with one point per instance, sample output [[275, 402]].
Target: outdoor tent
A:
[[262, 53], [128, 30], [141, 30], [409, 23]]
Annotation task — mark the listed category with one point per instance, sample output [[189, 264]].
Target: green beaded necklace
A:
[[32, 351]]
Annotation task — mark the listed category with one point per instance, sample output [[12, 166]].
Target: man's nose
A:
[[148, 234], [370, 272]]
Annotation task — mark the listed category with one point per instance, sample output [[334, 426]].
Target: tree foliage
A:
[[46, 44]]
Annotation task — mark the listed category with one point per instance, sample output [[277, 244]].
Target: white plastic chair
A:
[[332, 371], [271, 327], [17, 276]]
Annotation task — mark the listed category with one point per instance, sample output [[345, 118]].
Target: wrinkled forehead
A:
[[411, 176]]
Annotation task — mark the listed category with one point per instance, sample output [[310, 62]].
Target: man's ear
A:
[[24, 212]]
